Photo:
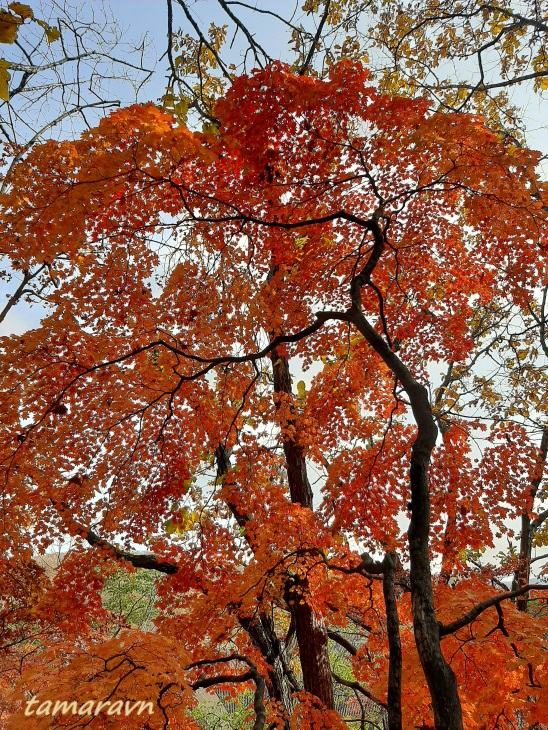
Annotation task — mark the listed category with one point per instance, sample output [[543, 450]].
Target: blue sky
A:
[[140, 17]]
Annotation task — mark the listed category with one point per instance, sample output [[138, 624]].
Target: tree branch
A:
[[315, 40], [251, 40], [341, 641], [251, 675], [472, 615], [145, 561], [358, 688], [203, 39]]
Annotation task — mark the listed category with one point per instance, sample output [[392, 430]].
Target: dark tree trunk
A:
[[521, 576], [312, 640], [299, 486], [262, 632], [389, 565], [528, 530], [261, 628], [440, 678], [311, 631]]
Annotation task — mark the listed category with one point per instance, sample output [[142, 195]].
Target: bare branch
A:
[[315, 40]]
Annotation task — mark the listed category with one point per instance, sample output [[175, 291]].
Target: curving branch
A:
[[253, 43], [357, 687], [316, 39], [472, 615], [252, 675], [203, 39], [341, 641], [19, 292], [145, 561]]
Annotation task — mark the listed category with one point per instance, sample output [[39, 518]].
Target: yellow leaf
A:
[[180, 109], [4, 79], [210, 128], [52, 33], [170, 527], [9, 25], [301, 389], [183, 522], [23, 10]]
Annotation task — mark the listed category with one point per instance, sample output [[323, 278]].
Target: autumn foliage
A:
[[266, 350]]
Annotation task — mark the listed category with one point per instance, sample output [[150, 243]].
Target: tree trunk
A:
[[311, 631], [299, 486], [261, 628], [313, 643], [440, 678], [521, 576], [389, 565], [528, 529], [263, 634]]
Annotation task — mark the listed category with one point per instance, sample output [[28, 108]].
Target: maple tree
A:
[[319, 227], [465, 57]]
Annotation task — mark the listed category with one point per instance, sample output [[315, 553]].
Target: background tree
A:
[[465, 57], [132, 598], [61, 68]]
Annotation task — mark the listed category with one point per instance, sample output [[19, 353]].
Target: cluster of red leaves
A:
[[115, 405]]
